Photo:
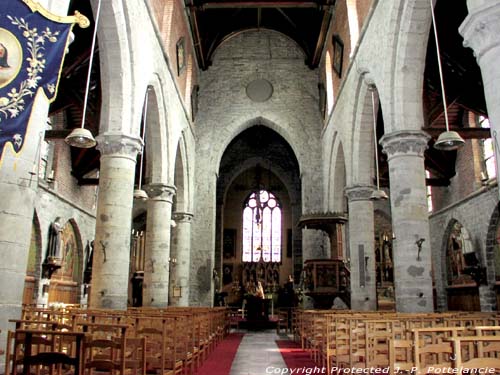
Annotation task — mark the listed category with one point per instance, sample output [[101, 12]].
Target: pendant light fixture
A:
[[139, 193], [377, 195], [81, 137], [448, 140]]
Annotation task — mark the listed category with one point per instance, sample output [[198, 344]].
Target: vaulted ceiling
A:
[[213, 21]]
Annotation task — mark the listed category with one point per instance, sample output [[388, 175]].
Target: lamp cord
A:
[[91, 59], [445, 105]]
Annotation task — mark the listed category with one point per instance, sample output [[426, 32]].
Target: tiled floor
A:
[[258, 354]]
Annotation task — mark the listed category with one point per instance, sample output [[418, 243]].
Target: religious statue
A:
[[54, 240], [53, 258]]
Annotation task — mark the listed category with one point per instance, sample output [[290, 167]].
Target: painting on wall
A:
[[338, 54], [181, 56]]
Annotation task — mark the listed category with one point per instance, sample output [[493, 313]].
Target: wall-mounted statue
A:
[[53, 258]]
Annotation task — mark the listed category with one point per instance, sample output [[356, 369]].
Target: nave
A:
[[197, 340]]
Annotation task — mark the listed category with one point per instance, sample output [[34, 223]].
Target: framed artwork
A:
[[322, 99], [194, 101], [181, 56], [338, 55], [229, 243]]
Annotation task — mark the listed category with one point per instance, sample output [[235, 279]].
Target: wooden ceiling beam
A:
[[437, 182], [465, 133], [57, 134], [256, 4], [318, 51], [193, 16]]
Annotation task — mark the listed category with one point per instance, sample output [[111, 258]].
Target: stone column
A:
[[410, 220], [110, 266], [362, 247], [157, 268], [481, 32], [181, 247]]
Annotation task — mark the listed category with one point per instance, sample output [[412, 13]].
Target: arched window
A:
[[329, 83], [352, 15], [430, 206], [262, 228], [488, 155]]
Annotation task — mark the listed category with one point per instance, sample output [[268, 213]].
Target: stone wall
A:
[[475, 214], [226, 110]]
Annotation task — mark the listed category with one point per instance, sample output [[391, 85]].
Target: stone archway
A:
[[31, 283], [457, 254], [65, 282]]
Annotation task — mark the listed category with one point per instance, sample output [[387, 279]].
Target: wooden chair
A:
[[104, 355], [42, 349], [432, 351], [135, 356], [160, 335], [283, 319], [486, 354], [401, 356]]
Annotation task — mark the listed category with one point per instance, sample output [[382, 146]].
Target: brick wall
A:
[[171, 22]]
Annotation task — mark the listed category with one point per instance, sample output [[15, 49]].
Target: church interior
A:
[[323, 169]]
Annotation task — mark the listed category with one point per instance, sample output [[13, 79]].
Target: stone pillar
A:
[[481, 32], [362, 247], [110, 266], [181, 247], [157, 268], [410, 220]]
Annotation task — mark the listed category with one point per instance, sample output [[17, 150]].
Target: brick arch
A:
[[492, 245]]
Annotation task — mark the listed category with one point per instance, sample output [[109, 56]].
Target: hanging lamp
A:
[[139, 193], [81, 137], [377, 195], [448, 140]]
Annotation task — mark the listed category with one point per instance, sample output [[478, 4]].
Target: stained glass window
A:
[[262, 228]]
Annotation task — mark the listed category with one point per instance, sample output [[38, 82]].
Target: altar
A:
[[257, 312]]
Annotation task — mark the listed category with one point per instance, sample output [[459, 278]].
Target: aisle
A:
[[257, 354], [219, 362]]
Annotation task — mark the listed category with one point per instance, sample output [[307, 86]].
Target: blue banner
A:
[[32, 48]]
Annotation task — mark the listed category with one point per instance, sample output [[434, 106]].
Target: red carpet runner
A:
[[220, 360], [295, 358]]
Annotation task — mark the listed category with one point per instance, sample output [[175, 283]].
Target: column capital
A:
[[405, 142], [119, 145], [359, 192], [161, 192], [481, 28], [182, 217]]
